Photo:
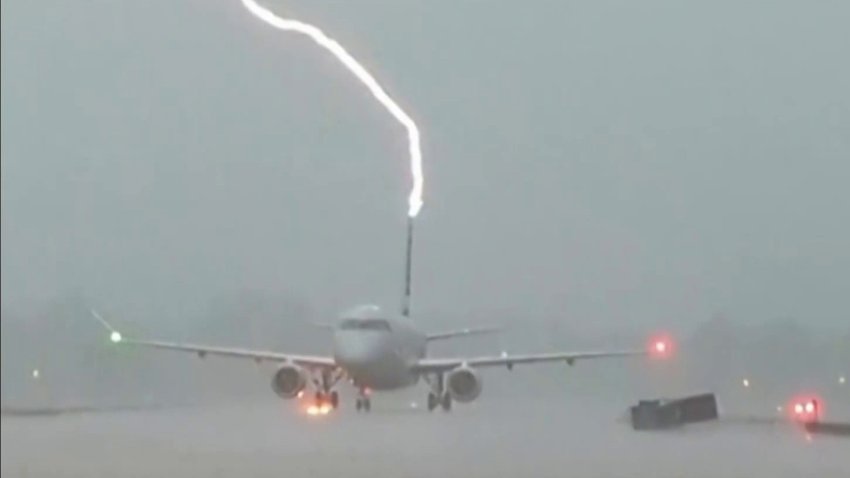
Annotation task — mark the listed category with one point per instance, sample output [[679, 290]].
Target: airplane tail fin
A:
[[405, 306]]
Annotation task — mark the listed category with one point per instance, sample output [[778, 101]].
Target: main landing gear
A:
[[331, 398], [438, 396], [363, 402], [324, 383]]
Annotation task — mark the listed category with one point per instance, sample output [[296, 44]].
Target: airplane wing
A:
[[309, 361], [508, 360], [461, 333]]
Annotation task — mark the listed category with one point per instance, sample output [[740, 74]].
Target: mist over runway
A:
[[597, 171], [555, 434]]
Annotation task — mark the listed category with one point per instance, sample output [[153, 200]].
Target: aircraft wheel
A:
[[446, 402], [334, 400], [320, 397], [433, 401], [359, 404], [367, 404]]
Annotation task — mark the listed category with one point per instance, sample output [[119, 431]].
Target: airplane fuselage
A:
[[376, 351]]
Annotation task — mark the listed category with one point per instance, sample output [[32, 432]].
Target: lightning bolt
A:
[[369, 81]]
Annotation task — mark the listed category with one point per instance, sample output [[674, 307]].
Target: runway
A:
[[556, 435]]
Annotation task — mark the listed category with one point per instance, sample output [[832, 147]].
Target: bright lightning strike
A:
[[331, 45]]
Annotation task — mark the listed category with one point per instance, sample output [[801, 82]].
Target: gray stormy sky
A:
[[608, 163]]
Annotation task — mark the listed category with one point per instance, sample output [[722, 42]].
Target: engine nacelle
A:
[[463, 384], [289, 380]]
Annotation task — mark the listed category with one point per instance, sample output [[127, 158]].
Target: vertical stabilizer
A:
[[405, 307]]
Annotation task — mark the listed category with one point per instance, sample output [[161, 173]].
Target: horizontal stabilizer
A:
[[462, 333]]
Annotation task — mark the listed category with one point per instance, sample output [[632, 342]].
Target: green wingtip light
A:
[[115, 336]]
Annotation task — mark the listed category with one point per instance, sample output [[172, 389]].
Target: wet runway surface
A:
[[554, 436]]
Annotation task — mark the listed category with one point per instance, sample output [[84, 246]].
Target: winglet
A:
[[114, 335]]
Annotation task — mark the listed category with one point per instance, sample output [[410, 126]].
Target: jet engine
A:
[[464, 384], [289, 380]]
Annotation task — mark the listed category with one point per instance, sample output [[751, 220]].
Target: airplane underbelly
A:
[[387, 374]]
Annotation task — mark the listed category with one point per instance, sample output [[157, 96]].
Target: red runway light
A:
[[805, 408]]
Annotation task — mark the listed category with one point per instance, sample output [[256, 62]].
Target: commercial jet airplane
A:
[[380, 351]]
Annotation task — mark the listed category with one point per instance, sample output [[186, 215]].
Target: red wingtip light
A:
[[661, 346]]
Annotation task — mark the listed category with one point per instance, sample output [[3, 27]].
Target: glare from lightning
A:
[[332, 46]]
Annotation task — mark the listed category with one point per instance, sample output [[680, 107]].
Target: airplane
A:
[[380, 351], [377, 351]]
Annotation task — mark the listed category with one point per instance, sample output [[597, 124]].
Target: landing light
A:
[[115, 336], [317, 410], [36, 373], [842, 380], [746, 383]]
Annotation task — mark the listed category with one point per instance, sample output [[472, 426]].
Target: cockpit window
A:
[[365, 324]]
